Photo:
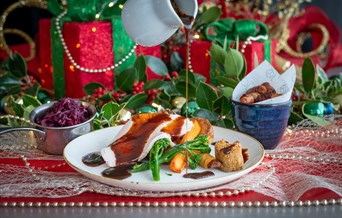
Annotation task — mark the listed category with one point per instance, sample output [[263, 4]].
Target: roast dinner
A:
[[149, 140]]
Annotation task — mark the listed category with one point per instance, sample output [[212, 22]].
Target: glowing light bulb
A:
[[72, 68], [97, 16], [93, 29], [78, 45], [120, 6], [111, 4], [196, 36]]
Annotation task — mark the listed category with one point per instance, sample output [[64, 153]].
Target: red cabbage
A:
[[65, 112]]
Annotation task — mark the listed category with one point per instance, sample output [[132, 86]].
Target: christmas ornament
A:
[[178, 102], [146, 109], [316, 109], [192, 107], [328, 109]]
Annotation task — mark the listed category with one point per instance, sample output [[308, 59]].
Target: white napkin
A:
[[265, 72]]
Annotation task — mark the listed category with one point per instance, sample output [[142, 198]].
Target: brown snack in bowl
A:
[[232, 156], [258, 93]]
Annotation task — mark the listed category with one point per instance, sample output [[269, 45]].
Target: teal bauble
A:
[[41, 95], [192, 107], [146, 109], [2, 104], [328, 109], [316, 109]]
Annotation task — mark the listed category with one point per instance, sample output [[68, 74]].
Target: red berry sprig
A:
[[138, 87], [98, 92], [152, 93]]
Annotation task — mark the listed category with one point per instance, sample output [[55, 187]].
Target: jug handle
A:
[[42, 134]]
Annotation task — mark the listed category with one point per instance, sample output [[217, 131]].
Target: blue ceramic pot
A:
[[266, 123]]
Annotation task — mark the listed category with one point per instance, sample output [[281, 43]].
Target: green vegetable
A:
[[156, 153], [199, 144]]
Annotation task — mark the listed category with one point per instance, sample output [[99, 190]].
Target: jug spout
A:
[[151, 22]]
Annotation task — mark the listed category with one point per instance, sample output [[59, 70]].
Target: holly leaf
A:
[[205, 95], [17, 65], [226, 81], [9, 81], [191, 76], [222, 106], [227, 92], [17, 108], [181, 87], [170, 89], [9, 84], [295, 118], [176, 62], [29, 100], [156, 65], [27, 111], [206, 114], [153, 84], [90, 87], [140, 66], [106, 97], [33, 91], [199, 78], [217, 53], [164, 103], [126, 79], [136, 101], [225, 123], [244, 69], [209, 16], [233, 63], [111, 109], [308, 75]]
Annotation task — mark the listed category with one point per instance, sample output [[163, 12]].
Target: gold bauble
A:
[[178, 102]]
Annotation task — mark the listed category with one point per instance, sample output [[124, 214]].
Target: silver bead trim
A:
[[303, 157], [238, 204], [72, 60]]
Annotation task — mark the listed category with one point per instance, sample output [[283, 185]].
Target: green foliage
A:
[[207, 16], [316, 87], [205, 96], [156, 65], [308, 75], [109, 115], [13, 74], [140, 66], [90, 87], [126, 79]]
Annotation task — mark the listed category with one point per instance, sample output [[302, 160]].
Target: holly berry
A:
[[174, 74], [98, 92], [116, 96], [167, 77]]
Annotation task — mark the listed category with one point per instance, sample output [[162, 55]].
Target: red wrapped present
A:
[[91, 46]]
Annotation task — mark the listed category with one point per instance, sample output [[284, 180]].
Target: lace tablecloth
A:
[[306, 168]]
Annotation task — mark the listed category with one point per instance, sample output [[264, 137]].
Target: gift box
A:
[[91, 45]]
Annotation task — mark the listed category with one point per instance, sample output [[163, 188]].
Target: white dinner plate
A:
[[169, 181]]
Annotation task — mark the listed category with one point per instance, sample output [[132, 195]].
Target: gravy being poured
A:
[[188, 22]]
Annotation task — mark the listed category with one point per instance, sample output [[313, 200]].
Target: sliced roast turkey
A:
[[136, 138]]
